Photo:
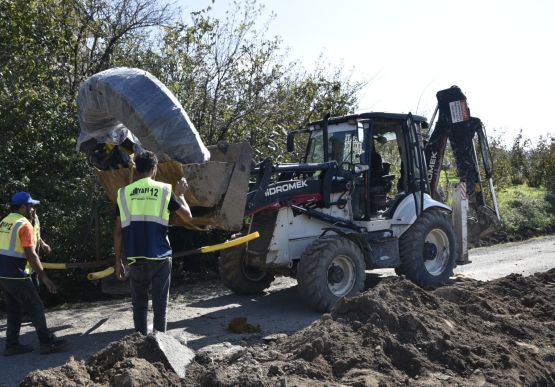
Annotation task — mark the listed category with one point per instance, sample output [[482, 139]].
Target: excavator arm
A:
[[463, 132]]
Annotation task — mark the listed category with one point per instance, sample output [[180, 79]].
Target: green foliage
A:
[[38, 122], [543, 163], [521, 211], [523, 161], [523, 175], [234, 82], [501, 163], [43, 59]]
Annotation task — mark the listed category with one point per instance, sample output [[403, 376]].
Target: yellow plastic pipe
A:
[[230, 243], [59, 266], [207, 249], [100, 274]]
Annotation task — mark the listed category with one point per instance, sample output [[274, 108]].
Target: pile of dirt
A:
[[522, 234], [465, 333], [240, 325]]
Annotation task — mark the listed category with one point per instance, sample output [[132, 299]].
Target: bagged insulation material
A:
[[122, 104]]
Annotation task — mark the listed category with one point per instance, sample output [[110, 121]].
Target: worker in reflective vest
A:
[[142, 232], [17, 249]]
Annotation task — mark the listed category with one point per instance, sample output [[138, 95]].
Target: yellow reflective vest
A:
[[144, 214], [12, 255]]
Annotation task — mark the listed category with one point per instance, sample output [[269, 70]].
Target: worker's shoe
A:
[[53, 345], [17, 349]]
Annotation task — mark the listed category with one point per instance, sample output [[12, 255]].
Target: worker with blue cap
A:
[[17, 257]]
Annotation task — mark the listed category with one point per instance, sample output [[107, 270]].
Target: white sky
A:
[[501, 53]]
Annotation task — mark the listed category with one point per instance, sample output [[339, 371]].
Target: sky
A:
[[500, 53]]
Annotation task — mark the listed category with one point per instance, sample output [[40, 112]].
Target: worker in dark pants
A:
[[41, 244], [17, 249], [142, 230]]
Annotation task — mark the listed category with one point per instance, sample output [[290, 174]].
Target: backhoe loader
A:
[[325, 220]]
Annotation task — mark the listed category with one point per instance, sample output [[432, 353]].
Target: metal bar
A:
[[494, 199], [97, 235], [74, 265], [325, 138], [430, 129], [296, 168], [332, 220], [186, 253], [460, 219]]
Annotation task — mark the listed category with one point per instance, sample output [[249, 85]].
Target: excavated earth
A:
[[463, 333]]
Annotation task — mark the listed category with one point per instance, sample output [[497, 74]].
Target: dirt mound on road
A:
[[466, 333]]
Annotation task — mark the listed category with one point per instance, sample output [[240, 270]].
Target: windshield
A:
[[344, 148]]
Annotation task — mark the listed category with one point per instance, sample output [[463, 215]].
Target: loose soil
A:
[[463, 333]]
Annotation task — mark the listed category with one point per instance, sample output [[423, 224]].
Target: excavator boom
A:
[[463, 132]]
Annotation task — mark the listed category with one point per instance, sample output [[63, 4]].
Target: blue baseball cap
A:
[[21, 198]]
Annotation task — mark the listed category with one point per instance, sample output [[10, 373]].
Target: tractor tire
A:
[[240, 277], [330, 268], [428, 250]]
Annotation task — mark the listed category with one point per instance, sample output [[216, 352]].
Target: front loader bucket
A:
[[217, 191]]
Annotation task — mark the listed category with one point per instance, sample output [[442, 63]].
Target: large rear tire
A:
[[330, 268], [428, 250], [240, 277]]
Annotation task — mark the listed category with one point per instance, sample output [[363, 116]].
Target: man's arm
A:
[[34, 261], [118, 244], [184, 211], [45, 247]]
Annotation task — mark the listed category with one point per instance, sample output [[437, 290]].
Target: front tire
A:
[[330, 268], [428, 250], [240, 277]]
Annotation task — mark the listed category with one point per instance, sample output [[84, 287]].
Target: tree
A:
[[234, 82], [44, 56], [104, 27], [537, 167]]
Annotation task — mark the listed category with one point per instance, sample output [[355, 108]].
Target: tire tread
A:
[[412, 265], [312, 271], [231, 273]]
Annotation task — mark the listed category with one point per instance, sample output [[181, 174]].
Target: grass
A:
[[521, 207], [505, 195]]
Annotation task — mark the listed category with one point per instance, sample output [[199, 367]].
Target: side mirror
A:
[[290, 142]]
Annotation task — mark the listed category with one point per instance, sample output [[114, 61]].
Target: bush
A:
[[523, 212]]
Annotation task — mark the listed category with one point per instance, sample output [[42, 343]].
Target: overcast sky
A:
[[500, 53]]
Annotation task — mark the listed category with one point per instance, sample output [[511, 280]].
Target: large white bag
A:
[[128, 103]]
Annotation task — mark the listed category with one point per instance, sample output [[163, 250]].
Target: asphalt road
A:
[[201, 313]]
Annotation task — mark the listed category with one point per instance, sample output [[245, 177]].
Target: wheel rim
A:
[[341, 275], [436, 252], [253, 273]]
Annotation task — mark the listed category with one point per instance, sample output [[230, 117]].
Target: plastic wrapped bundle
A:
[[130, 104]]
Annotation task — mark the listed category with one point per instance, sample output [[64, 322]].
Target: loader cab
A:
[[381, 153]]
